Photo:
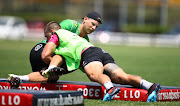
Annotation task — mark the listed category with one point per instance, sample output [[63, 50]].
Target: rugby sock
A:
[[108, 85], [145, 84], [23, 77], [51, 66]]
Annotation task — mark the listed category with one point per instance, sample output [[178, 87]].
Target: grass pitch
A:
[[159, 65]]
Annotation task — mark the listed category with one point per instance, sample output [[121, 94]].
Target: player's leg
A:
[[21, 77], [34, 77], [92, 60], [94, 71], [53, 68], [37, 77], [118, 76]]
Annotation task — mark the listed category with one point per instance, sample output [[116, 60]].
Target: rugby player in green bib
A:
[[40, 62], [98, 65]]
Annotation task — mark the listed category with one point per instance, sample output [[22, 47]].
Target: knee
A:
[[92, 77]]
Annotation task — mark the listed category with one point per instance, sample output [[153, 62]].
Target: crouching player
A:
[[40, 61], [37, 64]]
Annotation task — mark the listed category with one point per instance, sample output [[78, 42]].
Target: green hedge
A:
[[39, 16]]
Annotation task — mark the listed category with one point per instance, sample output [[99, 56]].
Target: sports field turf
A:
[[154, 64]]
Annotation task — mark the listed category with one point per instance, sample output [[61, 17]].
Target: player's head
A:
[[91, 22], [51, 27]]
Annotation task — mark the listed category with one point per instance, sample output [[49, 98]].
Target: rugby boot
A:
[[14, 81], [111, 93], [153, 92], [53, 71]]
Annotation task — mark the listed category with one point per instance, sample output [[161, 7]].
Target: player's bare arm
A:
[[48, 52]]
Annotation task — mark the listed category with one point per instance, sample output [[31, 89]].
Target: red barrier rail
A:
[[92, 90]]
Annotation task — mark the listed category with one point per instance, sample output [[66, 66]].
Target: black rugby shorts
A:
[[37, 64], [96, 54]]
